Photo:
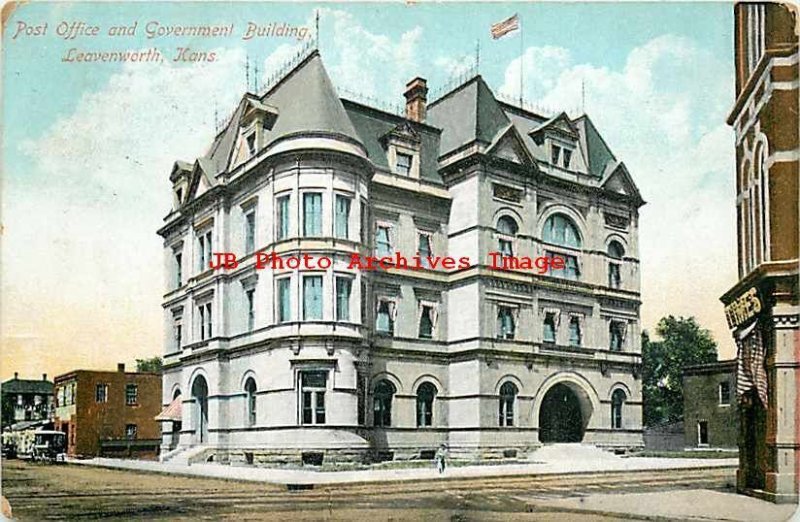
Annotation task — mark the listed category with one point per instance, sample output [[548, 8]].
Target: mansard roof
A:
[[374, 126]]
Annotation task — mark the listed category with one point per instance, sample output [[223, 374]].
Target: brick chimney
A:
[[44, 376], [16, 375], [416, 97], [121, 367]]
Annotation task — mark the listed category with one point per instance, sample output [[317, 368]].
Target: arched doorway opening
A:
[[200, 420], [563, 416]]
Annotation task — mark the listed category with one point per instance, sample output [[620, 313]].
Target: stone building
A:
[[762, 307], [710, 412], [343, 362], [109, 413]]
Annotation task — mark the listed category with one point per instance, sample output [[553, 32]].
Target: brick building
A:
[[710, 412], [762, 307], [109, 413]]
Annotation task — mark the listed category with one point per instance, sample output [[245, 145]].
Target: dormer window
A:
[[403, 164], [179, 195]]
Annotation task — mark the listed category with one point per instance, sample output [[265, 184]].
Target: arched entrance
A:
[[200, 420], [560, 416]]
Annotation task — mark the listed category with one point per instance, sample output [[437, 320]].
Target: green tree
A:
[[152, 365], [683, 343]]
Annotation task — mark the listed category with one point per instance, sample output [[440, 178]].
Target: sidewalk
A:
[[550, 463], [694, 504]]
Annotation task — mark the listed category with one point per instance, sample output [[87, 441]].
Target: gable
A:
[[619, 181], [509, 146]]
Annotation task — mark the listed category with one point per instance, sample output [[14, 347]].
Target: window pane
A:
[[403, 166], [343, 288], [567, 157], [382, 243], [250, 232], [342, 216], [312, 214], [574, 332], [505, 247], [307, 408], [312, 298], [560, 230], [426, 323], [555, 152], [320, 410], [284, 300], [315, 379], [383, 320], [549, 334], [283, 217]]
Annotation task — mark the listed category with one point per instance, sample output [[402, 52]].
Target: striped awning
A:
[[171, 412]]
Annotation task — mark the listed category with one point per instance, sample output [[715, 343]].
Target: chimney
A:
[[416, 96], [121, 367], [44, 376], [16, 375]]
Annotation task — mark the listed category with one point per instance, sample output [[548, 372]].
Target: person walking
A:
[[441, 458]]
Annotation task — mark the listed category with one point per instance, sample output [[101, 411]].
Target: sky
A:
[[87, 147]]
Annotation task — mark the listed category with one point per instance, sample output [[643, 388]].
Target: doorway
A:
[[560, 416]]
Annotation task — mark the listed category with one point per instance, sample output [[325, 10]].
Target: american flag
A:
[[750, 372], [509, 25]]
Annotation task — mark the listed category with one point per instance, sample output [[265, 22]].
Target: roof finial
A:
[[316, 30], [247, 72], [255, 77], [477, 56], [583, 95]]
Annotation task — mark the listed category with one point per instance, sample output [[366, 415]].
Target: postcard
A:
[[444, 261]]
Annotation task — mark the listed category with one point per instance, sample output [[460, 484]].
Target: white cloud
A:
[[81, 258], [372, 64], [663, 114]]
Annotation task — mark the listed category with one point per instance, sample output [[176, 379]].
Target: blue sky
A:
[[87, 147]]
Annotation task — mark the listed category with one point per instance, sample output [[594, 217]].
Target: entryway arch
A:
[[200, 413], [564, 408]]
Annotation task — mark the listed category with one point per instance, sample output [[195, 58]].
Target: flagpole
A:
[[521, 66]]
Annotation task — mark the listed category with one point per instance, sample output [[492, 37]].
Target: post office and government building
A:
[[345, 364]]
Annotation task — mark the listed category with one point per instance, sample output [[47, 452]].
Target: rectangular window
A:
[[209, 331], [363, 216], [702, 433], [567, 157], [312, 298], [403, 164], [555, 152], [384, 320], [131, 394], [426, 322], [284, 300], [724, 393], [313, 386], [251, 144], [342, 216], [201, 310], [312, 214], [570, 271], [575, 337], [615, 332], [101, 393], [178, 334], [505, 322], [250, 231], [282, 218], [505, 247], [131, 431], [344, 286], [204, 250], [549, 329], [424, 248], [178, 269], [383, 244], [613, 275], [251, 312]]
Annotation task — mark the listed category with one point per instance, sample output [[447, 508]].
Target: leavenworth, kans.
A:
[[303, 365]]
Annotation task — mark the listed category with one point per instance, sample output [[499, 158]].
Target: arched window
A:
[[250, 390], [506, 226], [382, 403], [615, 252], [561, 230], [176, 393], [617, 402], [508, 396], [426, 393]]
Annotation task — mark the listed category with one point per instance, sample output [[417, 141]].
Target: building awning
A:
[[171, 412]]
